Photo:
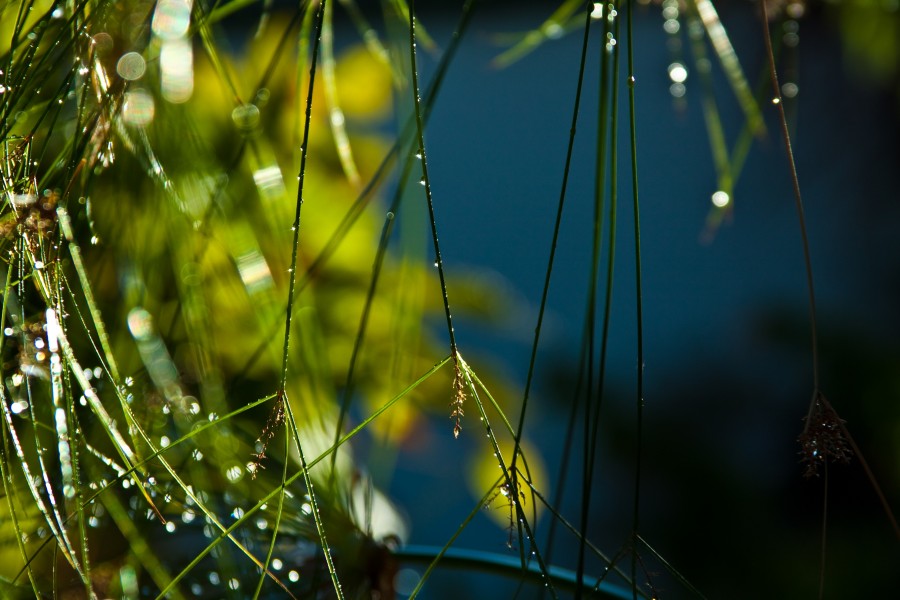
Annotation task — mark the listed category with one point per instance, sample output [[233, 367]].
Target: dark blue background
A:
[[728, 368]]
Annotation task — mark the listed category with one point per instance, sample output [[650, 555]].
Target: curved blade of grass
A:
[[368, 33], [41, 278], [332, 102], [404, 10], [9, 430], [210, 46], [715, 131], [549, 29], [49, 513], [48, 509], [222, 10], [730, 63], [96, 318], [10, 495], [739, 154]]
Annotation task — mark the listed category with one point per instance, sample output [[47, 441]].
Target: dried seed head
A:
[[459, 397], [274, 422], [822, 438]]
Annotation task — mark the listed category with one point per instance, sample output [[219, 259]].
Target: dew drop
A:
[[796, 9], [277, 564], [421, 182], [791, 39], [131, 66], [234, 473], [170, 526], [677, 72], [720, 199], [553, 30], [246, 117], [294, 576], [139, 107]]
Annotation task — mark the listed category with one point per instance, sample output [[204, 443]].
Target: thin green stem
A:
[[798, 201], [283, 399], [639, 307], [420, 132], [390, 222], [591, 406], [301, 177], [555, 239]]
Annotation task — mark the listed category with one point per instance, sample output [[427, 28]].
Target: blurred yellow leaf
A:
[[364, 85]]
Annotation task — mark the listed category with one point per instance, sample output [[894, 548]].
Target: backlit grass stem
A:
[[639, 302]]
